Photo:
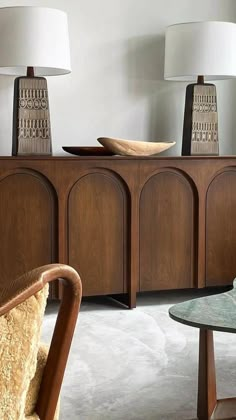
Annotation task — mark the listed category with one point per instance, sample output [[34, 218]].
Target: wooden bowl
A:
[[133, 147], [87, 151]]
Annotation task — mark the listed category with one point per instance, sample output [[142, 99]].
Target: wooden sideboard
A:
[[127, 224]]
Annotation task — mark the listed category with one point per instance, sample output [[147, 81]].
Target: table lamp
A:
[[200, 51], [34, 42]]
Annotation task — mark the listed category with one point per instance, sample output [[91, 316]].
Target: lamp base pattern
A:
[[31, 120], [200, 133], [204, 121]]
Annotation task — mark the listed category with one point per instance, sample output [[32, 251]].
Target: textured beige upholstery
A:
[[32, 394], [22, 360], [20, 331]]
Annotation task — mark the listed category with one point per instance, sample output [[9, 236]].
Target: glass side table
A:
[[211, 313]]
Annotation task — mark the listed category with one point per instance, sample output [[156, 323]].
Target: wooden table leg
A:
[[206, 376]]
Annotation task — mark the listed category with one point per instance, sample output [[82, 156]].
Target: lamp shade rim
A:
[[204, 48], [193, 77], [197, 22], [38, 70], [33, 7], [34, 36]]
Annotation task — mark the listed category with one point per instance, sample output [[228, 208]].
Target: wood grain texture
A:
[[221, 229], [18, 290], [195, 223], [166, 233], [27, 224], [208, 406], [97, 217], [62, 337], [133, 147], [206, 376]]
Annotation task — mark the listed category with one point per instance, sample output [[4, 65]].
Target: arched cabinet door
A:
[[28, 212], [167, 219], [97, 233], [221, 229]]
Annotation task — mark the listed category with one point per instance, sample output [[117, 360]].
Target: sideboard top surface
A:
[[116, 157]]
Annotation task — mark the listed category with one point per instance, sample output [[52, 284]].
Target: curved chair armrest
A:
[[16, 291]]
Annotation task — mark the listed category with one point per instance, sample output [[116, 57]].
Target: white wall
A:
[[116, 87]]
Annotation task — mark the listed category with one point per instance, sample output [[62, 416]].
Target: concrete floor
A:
[[137, 364]]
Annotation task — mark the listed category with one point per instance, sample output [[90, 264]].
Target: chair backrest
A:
[[18, 292], [19, 343]]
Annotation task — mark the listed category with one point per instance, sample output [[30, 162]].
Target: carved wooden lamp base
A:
[[200, 131], [31, 119]]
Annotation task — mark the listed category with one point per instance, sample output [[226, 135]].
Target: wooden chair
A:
[[18, 291]]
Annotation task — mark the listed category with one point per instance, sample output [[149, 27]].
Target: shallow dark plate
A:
[[87, 151]]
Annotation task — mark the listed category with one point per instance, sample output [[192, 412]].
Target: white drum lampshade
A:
[[199, 51], [34, 42]]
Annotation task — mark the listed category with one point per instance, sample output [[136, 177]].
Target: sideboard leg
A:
[[206, 376], [125, 299], [133, 276], [132, 300]]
